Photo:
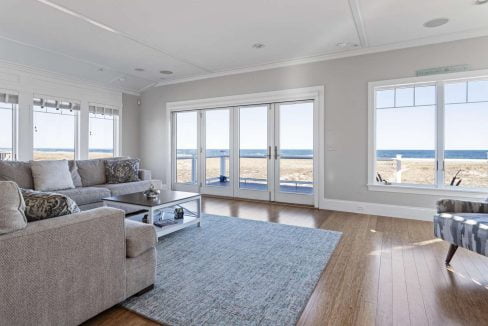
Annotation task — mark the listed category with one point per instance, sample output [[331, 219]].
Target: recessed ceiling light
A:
[[139, 69], [436, 22], [166, 72], [258, 45], [481, 2], [121, 79], [347, 45]]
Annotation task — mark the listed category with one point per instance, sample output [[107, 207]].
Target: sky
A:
[[296, 132], [413, 128]]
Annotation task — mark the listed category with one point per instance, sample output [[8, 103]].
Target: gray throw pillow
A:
[[122, 171], [12, 217], [75, 176], [18, 172], [43, 205], [51, 175]]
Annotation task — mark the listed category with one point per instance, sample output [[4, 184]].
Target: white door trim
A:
[[316, 93]]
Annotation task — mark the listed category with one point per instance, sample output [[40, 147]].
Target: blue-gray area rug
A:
[[232, 271]]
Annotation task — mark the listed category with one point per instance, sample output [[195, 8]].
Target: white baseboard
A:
[[408, 212]]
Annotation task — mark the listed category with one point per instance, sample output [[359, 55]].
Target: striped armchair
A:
[[462, 224]]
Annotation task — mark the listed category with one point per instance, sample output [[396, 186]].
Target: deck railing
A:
[[245, 180]]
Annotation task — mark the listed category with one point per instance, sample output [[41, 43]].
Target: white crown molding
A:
[[397, 211], [66, 79], [325, 57]]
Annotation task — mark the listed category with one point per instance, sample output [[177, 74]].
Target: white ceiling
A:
[[103, 41]]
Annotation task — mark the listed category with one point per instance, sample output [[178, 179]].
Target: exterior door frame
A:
[[316, 93]]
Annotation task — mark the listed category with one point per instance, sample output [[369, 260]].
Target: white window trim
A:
[[315, 93], [438, 189], [117, 128], [15, 124]]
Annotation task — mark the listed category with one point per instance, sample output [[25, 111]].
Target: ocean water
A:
[[449, 154], [250, 152]]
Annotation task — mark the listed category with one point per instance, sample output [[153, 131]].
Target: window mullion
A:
[[440, 129]]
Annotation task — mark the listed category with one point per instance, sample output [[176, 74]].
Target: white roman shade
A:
[[56, 104], [103, 111], [9, 97]]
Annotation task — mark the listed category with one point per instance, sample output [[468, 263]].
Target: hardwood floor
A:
[[385, 271]]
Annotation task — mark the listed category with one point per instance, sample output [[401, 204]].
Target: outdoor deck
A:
[[261, 186]]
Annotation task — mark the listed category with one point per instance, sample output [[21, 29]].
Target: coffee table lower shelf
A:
[[151, 213]]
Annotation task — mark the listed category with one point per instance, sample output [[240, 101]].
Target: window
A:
[[103, 132], [55, 129], [8, 110], [421, 139]]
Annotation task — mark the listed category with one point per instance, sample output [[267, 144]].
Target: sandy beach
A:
[[422, 171], [65, 155], [291, 169]]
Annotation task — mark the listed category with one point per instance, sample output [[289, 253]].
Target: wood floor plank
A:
[[384, 271]]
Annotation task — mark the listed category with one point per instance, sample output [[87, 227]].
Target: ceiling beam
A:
[[358, 22]]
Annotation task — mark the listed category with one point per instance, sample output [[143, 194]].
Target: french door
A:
[[263, 152]]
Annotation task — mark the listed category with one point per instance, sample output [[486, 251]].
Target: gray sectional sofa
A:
[[67, 269], [88, 177]]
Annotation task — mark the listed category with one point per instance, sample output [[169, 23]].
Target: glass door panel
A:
[[295, 156], [186, 148], [216, 141], [254, 150]]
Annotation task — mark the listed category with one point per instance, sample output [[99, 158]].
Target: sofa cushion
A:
[[122, 171], [139, 237], [43, 205], [92, 172], [51, 175], [467, 230], [86, 195], [75, 176], [18, 172], [12, 206], [118, 189]]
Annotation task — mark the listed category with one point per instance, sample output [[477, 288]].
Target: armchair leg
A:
[[450, 253]]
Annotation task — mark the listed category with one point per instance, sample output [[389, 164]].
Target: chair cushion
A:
[[86, 195], [467, 230], [118, 189], [43, 205], [12, 206], [51, 175], [139, 237], [122, 171], [18, 172]]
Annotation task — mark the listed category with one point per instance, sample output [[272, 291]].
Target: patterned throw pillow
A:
[[122, 171], [43, 205]]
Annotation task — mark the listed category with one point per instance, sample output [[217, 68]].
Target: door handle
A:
[[276, 152], [269, 152]]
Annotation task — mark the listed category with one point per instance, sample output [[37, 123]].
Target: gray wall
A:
[[346, 105], [131, 116]]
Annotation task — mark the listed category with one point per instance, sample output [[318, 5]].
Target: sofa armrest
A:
[[64, 270], [461, 206], [144, 174]]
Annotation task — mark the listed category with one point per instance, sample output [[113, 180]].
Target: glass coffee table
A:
[[137, 202]]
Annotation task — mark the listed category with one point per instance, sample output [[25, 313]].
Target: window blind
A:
[[11, 98], [56, 104], [104, 111]]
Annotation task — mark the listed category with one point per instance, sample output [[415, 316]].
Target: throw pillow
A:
[[43, 205], [122, 171], [51, 175], [12, 217], [75, 175], [18, 172]]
